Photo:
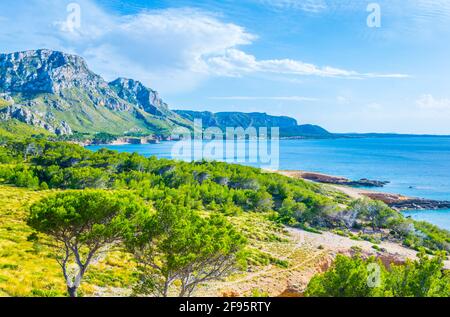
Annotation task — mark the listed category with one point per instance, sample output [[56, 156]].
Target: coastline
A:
[[123, 141], [342, 184], [355, 189]]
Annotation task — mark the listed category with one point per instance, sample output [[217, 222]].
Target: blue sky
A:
[[315, 60]]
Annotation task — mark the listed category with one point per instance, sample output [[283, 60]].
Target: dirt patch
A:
[[308, 254]]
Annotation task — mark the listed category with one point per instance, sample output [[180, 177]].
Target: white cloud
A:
[[171, 49], [279, 98], [425, 10], [313, 6], [234, 62], [162, 48], [428, 102]]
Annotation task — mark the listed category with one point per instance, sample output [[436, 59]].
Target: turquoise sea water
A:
[[415, 166]]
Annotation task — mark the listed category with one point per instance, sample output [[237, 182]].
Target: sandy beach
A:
[[395, 201]]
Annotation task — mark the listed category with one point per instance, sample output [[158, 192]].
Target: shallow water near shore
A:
[[440, 218], [415, 166]]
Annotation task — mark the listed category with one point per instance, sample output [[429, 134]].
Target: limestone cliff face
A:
[[58, 92], [40, 120], [136, 93], [45, 71], [52, 72]]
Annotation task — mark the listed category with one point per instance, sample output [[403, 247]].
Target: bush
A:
[[214, 186], [355, 277], [347, 277]]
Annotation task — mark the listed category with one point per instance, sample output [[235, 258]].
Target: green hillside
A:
[[57, 92], [16, 129], [82, 223], [288, 126], [211, 198]]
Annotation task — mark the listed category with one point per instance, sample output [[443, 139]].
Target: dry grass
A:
[[29, 268], [279, 264], [276, 260]]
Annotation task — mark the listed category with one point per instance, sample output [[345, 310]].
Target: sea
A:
[[417, 166]]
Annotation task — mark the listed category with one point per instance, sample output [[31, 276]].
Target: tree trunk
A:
[[72, 291], [166, 289]]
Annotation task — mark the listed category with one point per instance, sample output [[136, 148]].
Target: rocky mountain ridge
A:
[[289, 127], [58, 92]]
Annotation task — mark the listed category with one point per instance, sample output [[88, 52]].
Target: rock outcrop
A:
[[400, 202], [39, 120], [52, 72], [336, 180], [58, 92], [136, 93], [26, 115]]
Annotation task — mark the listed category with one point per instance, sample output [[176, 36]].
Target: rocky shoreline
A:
[[124, 141], [354, 190], [336, 180], [400, 202]]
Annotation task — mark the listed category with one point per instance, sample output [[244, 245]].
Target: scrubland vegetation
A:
[[356, 277], [160, 227]]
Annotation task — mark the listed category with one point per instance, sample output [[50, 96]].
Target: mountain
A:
[[306, 131], [57, 92], [288, 126], [136, 93]]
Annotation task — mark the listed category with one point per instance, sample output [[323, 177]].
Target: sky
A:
[[348, 65]]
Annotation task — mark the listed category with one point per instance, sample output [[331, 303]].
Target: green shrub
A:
[[356, 277]]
